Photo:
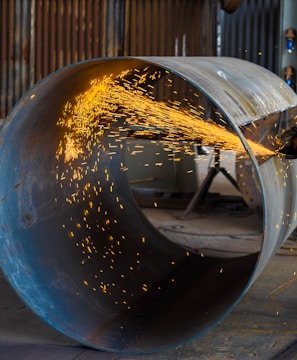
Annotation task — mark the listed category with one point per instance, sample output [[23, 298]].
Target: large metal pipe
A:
[[74, 242]]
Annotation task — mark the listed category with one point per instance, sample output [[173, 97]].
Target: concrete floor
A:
[[262, 326]]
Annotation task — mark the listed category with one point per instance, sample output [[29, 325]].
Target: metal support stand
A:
[[203, 189]]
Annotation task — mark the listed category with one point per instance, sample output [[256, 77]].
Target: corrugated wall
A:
[[40, 36], [64, 32], [252, 33], [170, 27], [14, 54]]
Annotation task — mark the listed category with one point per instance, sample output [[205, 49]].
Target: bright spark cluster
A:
[[95, 126], [110, 101]]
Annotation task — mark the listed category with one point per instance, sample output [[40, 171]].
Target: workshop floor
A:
[[262, 326]]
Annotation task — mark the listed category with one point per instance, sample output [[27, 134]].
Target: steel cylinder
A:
[[104, 230]]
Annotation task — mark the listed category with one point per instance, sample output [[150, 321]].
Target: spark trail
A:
[[108, 104]]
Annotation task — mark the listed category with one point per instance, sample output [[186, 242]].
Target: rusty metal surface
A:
[[170, 28], [14, 54], [41, 36]]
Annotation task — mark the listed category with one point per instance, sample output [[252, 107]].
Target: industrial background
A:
[[41, 36], [38, 37]]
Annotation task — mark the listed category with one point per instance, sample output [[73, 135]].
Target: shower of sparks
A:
[[107, 104], [96, 124]]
